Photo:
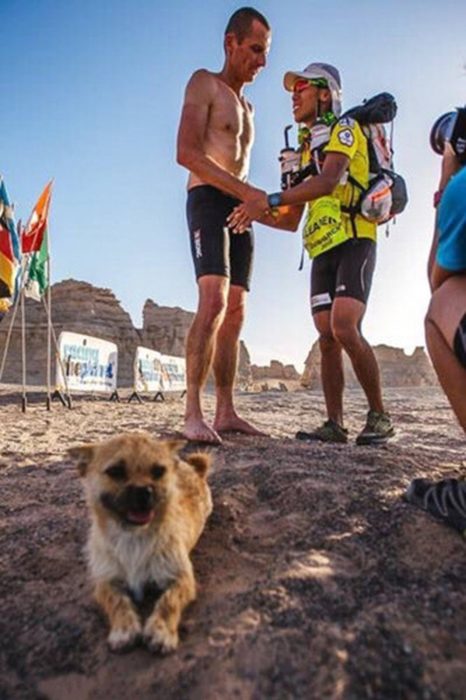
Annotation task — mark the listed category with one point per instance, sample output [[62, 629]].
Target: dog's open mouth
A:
[[139, 517]]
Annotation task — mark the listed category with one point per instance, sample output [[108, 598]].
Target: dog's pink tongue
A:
[[140, 518]]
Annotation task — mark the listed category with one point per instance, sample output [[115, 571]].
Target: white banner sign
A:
[[174, 373], [159, 373], [90, 364], [148, 370]]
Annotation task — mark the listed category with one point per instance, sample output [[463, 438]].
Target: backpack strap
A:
[[374, 167], [353, 209]]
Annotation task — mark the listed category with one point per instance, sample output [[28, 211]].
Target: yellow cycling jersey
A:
[[347, 138]]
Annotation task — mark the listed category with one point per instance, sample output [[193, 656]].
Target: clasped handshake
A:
[[254, 207]]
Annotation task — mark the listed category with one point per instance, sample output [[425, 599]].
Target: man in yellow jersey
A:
[[341, 244]]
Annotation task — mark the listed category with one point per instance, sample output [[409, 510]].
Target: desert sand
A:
[[315, 579]]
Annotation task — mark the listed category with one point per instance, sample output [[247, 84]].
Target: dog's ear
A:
[[201, 462], [176, 445], [83, 455]]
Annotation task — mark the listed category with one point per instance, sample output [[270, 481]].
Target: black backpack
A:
[[386, 194]]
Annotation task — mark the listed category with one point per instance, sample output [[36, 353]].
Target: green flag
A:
[[37, 271]]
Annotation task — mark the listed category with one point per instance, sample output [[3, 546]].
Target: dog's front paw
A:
[[158, 637], [124, 636]]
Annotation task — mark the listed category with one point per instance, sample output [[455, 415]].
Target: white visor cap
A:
[[319, 70]]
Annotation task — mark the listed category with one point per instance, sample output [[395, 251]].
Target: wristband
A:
[[437, 198], [274, 200]]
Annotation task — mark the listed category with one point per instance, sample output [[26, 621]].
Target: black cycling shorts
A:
[[216, 250], [343, 271], [459, 342]]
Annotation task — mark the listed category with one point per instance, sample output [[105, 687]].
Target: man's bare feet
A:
[[233, 423], [197, 430]]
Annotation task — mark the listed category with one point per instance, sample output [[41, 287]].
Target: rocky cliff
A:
[[276, 370], [78, 307], [83, 308], [165, 329], [396, 368], [276, 376]]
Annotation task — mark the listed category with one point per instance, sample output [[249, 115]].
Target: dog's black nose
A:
[[140, 497]]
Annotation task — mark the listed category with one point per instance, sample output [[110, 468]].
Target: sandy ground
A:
[[316, 580]]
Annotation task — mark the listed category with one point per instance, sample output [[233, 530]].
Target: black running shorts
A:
[[216, 250], [459, 342], [344, 271]]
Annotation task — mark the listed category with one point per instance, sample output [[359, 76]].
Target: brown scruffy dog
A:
[[148, 508]]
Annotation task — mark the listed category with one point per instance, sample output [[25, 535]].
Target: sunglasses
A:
[[303, 83]]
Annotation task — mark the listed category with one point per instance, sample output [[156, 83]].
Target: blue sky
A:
[[92, 93]]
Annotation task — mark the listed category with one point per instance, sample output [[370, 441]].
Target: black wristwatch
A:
[[274, 199]]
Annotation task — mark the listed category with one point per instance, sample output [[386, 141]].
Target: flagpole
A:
[[49, 318], [59, 360], [35, 242], [23, 351], [49, 325], [14, 311]]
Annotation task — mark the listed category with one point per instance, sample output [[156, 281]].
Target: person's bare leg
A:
[[200, 348], [347, 315], [447, 308], [331, 367], [226, 363]]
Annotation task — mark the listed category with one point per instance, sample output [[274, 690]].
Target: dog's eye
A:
[[157, 471], [117, 471]]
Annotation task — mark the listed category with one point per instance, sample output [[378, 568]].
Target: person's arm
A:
[[284, 218], [431, 258], [199, 97], [335, 165], [436, 273]]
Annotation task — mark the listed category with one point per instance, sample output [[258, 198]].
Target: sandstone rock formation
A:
[[76, 306], [276, 370], [165, 329], [397, 369], [275, 377], [83, 308]]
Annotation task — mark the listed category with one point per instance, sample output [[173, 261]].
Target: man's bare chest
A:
[[232, 117]]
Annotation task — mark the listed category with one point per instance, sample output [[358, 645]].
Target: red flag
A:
[[33, 233]]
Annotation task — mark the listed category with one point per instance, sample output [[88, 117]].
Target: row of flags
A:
[[23, 250]]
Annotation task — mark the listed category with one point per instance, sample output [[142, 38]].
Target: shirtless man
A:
[[214, 143]]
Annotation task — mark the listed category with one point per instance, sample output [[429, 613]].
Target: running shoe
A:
[[330, 431], [377, 430], [445, 500]]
